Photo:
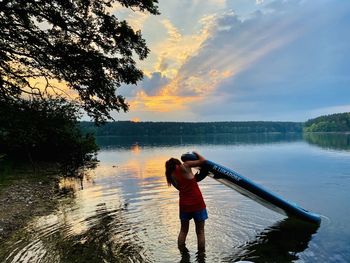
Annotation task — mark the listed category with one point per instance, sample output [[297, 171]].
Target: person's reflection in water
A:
[[200, 257], [186, 257], [279, 243]]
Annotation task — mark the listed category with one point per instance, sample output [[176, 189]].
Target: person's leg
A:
[[181, 242], [200, 235]]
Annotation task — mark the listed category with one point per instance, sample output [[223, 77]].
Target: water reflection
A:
[[135, 148], [335, 141], [200, 257], [282, 242], [134, 143], [124, 211], [108, 238]]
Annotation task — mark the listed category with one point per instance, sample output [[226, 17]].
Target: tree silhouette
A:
[[45, 130], [76, 42]]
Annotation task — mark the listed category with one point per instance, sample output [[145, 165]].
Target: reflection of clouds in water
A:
[[143, 187], [86, 200], [152, 204], [126, 207]]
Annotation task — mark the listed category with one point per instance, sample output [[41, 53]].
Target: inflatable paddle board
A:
[[252, 190]]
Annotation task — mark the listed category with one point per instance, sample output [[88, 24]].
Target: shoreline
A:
[[23, 198]]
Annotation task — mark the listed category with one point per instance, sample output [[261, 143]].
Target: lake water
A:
[[123, 211]]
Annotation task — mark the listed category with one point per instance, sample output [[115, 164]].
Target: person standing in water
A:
[[191, 202]]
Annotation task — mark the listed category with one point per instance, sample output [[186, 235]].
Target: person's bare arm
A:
[[196, 163], [200, 157]]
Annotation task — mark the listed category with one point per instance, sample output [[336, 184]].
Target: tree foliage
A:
[[79, 43], [44, 130], [128, 128], [338, 122]]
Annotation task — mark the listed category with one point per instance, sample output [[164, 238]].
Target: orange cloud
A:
[[160, 103], [176, 48]]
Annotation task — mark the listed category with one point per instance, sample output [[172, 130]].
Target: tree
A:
[[338, 122], [45, 130], [76, 42]]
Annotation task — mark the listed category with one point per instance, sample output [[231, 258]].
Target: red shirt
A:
[[191, 199]]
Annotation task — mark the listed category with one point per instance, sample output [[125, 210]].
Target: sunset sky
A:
[[223, 60]]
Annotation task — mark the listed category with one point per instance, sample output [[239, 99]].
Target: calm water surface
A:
[[124, 212]]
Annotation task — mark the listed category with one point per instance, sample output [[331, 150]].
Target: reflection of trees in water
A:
[[279, 243], [336, 141], [110, 142], [109, 239]]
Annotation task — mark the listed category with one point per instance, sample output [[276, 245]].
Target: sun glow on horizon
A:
[[160, 103], [136, 119]]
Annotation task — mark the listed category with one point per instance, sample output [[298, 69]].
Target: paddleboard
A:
[[254, 191]]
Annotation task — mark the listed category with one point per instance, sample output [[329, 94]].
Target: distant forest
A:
[[339, 122], [129, 128]]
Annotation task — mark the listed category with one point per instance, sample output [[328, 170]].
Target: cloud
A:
[[283, 60], [160, 103], [150, 85], [174, 50], [174, 35], [233, 47], [153, 85], [278, 64]]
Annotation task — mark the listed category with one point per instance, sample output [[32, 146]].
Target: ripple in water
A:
[[124, 212]]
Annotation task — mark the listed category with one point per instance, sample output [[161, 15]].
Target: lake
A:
[[123, 211]]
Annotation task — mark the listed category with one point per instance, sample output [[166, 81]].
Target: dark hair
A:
[[170, 167]]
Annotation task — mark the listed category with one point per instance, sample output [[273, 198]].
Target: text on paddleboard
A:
[[224, 171]]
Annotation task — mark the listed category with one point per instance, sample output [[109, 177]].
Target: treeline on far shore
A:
[[129, 128], [338, 122]]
